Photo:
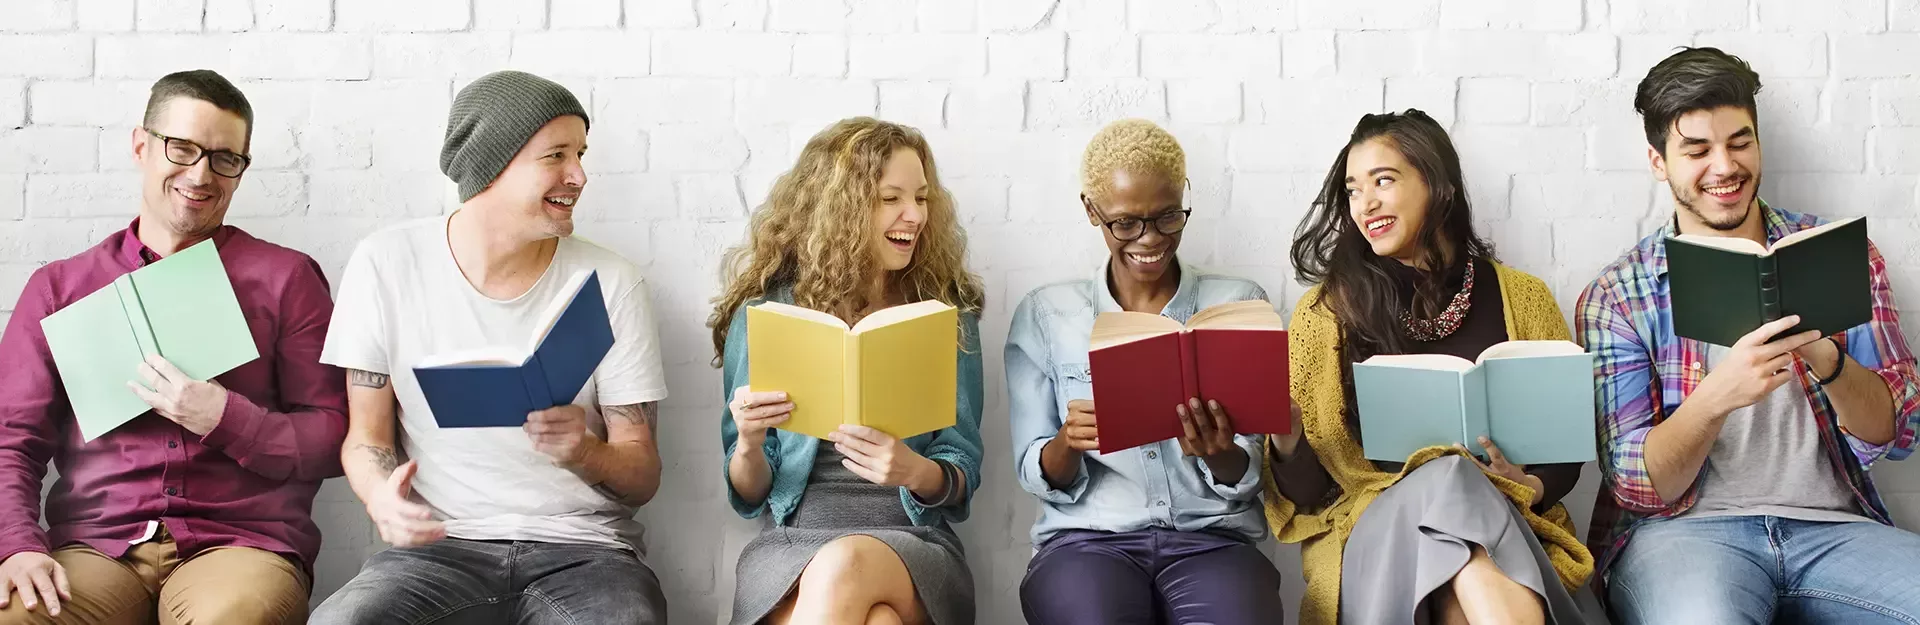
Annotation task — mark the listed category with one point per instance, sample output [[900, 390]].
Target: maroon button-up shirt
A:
[[249, 482]]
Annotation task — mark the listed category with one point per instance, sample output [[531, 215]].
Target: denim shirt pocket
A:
[[1074, 381]]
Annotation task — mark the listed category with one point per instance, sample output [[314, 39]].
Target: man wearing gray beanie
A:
[[534, 522]]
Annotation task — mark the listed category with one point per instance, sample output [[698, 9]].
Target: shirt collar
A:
[[1185, 297], [1776, 227], [136, 254]]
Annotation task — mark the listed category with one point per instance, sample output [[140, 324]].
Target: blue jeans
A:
[[484, 582], [1756, 569]]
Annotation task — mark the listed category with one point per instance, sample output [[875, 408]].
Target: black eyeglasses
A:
[[187, 153], [1130, 228]]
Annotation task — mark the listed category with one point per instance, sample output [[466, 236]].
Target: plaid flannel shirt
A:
[[1642, 372]]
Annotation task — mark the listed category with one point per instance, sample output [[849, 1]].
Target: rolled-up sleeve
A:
[[1623, 398], [1033, 408], [1880, 347], [960, 444], [1248, 488], [733, 374]]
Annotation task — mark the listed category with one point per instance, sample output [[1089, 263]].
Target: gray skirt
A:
[[838, 504], [1419, 533]]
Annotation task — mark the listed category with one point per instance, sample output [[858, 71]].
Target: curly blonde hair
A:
[[815, 232], [1131, 145]]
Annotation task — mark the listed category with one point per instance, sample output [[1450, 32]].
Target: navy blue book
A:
[[499, 386]]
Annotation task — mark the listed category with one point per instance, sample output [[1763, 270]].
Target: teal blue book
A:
[[1534, 399]]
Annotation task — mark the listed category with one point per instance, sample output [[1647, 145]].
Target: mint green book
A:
[[182, 308], [1534, 399]]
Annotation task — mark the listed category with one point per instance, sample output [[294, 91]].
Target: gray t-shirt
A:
[[1769, 460], [403, 299]]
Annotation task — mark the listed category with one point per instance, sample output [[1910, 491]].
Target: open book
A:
[[182, 308], [1145, 364], [1533, 398], [497, 386], [1724, 287], [895, 371]]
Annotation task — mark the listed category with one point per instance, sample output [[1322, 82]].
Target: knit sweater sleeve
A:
[[1314, 367]]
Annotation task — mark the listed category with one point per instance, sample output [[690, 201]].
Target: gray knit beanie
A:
[[492, 119]]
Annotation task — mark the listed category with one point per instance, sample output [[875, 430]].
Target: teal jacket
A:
[[791, 455]]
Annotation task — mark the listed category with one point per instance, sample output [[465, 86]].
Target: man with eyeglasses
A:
[[199, 511]]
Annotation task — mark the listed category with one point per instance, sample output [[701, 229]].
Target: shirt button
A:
[[172, 492], [1151, 454], [1160, 503], [1696, 365], [172, 444]]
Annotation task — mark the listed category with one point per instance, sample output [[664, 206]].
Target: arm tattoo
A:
[[367, 379], [383, 457], [647, 414]]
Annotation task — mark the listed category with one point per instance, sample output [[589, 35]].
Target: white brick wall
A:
[[699, 104]]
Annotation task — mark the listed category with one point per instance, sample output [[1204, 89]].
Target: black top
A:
[[1484, 326]]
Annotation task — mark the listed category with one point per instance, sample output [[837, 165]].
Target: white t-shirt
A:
[[403, 298]]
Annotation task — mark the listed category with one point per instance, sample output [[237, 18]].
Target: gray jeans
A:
[[475, 582]]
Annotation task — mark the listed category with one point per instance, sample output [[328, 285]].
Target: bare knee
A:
[[1444, 607], [843, 563], [1482, 593], [883, 614], [783, 613], [848, 577]]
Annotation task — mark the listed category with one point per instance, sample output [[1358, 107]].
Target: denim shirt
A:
[[790, 454], [1154, 485]]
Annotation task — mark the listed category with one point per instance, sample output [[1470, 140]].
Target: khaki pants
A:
[[151, 584]]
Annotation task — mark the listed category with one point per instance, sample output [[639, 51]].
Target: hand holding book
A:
[[1497, 464], [887, 461], [561, 433], [756, 412], [195, 405], [1081, 432], [1755, 365], [1207, 432]]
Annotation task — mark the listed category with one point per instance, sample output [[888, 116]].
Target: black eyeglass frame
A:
[[1157, 221], [200, 152]]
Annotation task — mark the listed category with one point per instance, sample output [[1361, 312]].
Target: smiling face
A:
[[1144, 197], [902, 209], [543, 181], [189, 200], [1712, 164], [1387, 199]]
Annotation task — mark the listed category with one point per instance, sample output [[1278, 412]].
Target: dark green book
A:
[[1725, 287]]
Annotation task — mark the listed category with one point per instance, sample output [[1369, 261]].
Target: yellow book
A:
[[894, 371]]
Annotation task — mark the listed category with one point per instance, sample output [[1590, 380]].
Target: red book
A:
[[1144, 365]]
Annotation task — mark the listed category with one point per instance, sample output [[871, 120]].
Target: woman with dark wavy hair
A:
[[1399, 269]]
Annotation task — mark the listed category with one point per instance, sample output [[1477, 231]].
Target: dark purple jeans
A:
[[1150, 577]]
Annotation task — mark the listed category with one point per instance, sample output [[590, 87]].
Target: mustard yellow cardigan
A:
[[1531, 314]]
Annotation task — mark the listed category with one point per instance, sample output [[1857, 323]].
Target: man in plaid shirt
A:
[[1736, 483]]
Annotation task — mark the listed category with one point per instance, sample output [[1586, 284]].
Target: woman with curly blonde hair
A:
[[861, 529], [1160, 533]]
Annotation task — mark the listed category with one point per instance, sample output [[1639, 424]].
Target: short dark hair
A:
[[201, 84], [1693, 79]]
